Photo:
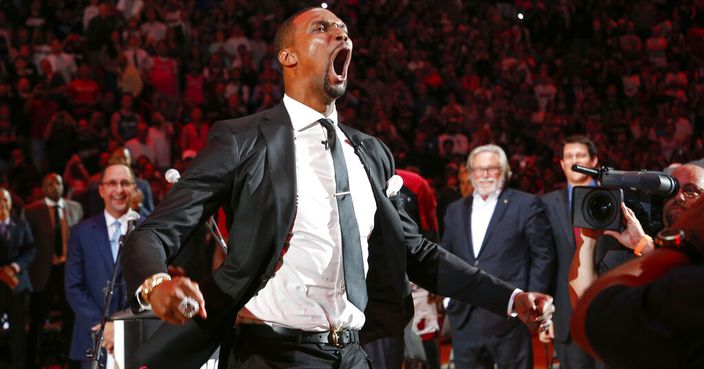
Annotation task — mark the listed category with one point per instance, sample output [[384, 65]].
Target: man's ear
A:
[[287, 58]]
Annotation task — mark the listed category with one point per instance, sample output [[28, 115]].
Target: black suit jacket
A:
[[20, 249], [558, 211], [38, 216], [248, 167], [517, 248]]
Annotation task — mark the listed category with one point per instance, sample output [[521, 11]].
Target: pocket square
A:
[[393, 185]]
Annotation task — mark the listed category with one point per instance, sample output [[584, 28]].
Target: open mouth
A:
[[340, 64]]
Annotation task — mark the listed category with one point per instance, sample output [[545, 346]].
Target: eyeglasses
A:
[[113, 184], [491, 170], [691, 191]]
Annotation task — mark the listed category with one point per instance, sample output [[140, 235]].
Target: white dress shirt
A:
[[51, 203], [308, 291], [482, 210], [110, 220]]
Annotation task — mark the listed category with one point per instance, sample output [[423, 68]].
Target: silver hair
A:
[[503, 159]]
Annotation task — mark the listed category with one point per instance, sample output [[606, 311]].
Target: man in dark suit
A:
[[575, 150], [506, 233], [319, 249], [95, 203], [50, 219], [16, 254], [92, 249]]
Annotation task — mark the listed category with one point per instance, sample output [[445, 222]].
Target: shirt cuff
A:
[[143, 305], [16, 267], [511, 311]]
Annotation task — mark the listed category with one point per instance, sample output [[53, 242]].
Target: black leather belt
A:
[[337, 338]]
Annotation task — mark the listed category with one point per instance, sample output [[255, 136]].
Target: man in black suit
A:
[[16, 254], [575, 150], [318, 246], [50, 220], [506, 233]]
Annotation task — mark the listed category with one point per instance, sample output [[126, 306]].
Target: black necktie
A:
[[355, 282], [58, 236]]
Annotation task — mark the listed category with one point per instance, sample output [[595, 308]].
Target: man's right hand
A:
[[633, 233], [169, 294]]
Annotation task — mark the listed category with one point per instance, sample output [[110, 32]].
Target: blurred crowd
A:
[[82, 79], [79, 78]]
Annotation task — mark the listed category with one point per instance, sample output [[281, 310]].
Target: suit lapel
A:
[[467, 224], [502, 204], [562, 208], [101, 240], [11, 228], [281, 159]]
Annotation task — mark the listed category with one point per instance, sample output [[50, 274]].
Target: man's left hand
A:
[[534, 309], [108, 336], [9, 277]]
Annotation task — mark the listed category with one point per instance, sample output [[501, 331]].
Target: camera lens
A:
[[601, 208]]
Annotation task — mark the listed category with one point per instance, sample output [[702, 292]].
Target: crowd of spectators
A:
[[432, 79]]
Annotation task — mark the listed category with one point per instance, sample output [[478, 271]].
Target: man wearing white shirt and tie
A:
[[50, 219], [506, 233], [92, 252]]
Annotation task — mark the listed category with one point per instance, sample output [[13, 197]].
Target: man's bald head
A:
[[689, 173], [284, 35], [691, 180]]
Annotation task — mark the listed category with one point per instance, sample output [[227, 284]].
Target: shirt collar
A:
[[51, 203], [109, 219], [303, 116]]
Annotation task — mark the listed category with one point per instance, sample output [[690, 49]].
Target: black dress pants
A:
[[15, 304], [40, 303], [264, 353]]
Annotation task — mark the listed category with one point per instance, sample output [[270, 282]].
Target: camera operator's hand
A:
[[633, 233]]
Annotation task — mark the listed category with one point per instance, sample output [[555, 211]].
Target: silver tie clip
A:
[[341, 193]]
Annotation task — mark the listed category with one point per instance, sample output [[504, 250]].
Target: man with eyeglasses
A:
[[636, 242], [647, 313], [506, 233], [92, 251]]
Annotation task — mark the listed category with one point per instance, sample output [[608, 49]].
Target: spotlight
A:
[[324, 5]]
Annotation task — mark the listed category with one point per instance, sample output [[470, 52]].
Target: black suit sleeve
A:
[[443, 273], [201, 189]]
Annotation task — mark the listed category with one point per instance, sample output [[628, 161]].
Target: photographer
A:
[[583, 273], [647, 313], [691, 181]]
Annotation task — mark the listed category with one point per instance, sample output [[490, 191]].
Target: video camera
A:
[[644, 192]]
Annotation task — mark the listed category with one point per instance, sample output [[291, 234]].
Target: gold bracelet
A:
[[150, 284], [638, 250]]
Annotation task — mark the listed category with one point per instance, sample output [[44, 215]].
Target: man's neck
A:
[[587, 182], [115, 215]]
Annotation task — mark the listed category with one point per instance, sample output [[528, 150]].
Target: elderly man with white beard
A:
[[506, 233]]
